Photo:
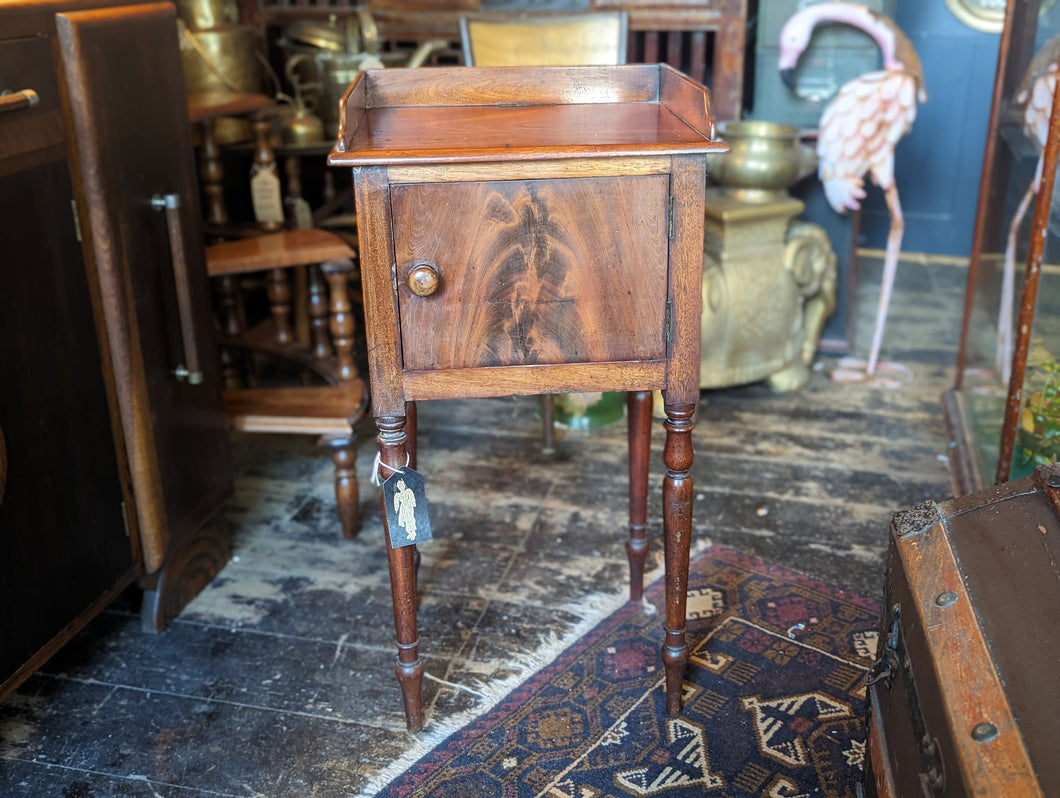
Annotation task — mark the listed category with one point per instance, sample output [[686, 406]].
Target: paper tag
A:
[[406, 508], [301, 213], [266, 194]]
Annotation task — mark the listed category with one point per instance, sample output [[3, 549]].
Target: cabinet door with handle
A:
[[140, 212], [65, 551]]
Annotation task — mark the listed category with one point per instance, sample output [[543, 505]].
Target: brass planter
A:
[[766, 158]]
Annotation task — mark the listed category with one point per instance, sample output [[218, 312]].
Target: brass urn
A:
[[764, 160]]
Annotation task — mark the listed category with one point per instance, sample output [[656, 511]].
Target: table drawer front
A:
[[533, 272]]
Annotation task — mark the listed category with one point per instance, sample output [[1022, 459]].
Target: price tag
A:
[[266, 195], [302, 214], [406, 508]]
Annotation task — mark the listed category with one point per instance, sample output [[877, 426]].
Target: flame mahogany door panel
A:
[[551, 271]]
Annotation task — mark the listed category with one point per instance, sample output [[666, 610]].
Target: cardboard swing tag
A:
[[301, 213], [406, 508], [266, 196]]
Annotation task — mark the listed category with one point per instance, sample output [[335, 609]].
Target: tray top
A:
[[476, 114]]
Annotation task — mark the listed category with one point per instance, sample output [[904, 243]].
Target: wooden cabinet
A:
[[115, 463], [533, 230]]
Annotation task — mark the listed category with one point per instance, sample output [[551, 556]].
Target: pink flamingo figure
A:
[[860, 128], [1036, 96]]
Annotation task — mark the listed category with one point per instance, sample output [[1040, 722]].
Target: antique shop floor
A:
[[278, 680]]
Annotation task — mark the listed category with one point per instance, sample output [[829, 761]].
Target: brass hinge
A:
[[669, 320], [125, 519], [670, 217], [77, 220], [393, 276]]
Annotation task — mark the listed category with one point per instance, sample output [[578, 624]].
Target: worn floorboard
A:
[[278, 679]]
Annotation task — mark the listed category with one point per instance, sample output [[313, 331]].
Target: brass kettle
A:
[[299, 126]]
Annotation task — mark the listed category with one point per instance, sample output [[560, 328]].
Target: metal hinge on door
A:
[[670, 217], [669, 320]]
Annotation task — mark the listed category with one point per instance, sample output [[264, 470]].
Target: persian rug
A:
[[773, 703]]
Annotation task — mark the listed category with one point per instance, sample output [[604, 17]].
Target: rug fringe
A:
[[598, 606]]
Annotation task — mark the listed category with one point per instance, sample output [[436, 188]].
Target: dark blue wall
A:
[[937, 166]]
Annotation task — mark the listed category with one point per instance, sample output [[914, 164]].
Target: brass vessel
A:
[[765, 158], [222, 60]]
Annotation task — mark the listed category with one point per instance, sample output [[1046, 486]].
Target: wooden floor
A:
[[278, 680]]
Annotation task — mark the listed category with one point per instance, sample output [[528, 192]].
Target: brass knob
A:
[[423, 279]]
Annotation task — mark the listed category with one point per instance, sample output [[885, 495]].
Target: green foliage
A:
[[1039, 428]]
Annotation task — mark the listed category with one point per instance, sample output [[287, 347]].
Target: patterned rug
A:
[[774, 701]]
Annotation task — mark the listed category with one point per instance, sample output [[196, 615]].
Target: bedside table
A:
[[527, 231]]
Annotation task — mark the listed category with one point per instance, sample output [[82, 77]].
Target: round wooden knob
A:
[[423, 279]]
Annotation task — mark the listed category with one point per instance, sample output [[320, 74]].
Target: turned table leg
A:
[[638, 416], [393, 441], [677, 531]]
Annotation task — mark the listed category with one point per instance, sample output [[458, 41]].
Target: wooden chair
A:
[[544, 39], [325, 262]]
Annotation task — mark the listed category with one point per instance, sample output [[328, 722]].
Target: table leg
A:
[[392, 449], [411, 420], [677, 531], [638, 416]]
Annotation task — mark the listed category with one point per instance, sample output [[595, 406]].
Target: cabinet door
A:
[[533, 272], [64, 549], [126, 98]]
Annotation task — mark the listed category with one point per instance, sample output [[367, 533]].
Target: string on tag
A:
[[380, 464]]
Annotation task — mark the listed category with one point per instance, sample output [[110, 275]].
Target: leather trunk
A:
[[965, 698]]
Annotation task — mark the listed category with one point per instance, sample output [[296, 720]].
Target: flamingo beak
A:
[[788, 76]]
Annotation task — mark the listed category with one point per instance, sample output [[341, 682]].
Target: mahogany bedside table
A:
[[527, 231]]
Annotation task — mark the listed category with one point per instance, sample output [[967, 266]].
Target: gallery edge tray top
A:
[[466, 114]]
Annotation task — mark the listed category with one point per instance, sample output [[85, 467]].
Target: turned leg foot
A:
[[677, 525], [392, 449], [638, 405]]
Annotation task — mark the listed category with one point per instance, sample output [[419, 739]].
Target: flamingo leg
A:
[[890, 266], [1008, 288]]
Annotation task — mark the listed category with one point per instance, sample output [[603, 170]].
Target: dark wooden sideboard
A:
[[116, 451]]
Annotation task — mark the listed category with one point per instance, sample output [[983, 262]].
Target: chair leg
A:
[[279, 291], [337, 273], [347, 488], [318, 313], [232, 326]]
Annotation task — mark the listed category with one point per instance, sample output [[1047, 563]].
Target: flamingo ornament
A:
[[1036, 96], [860, 128]]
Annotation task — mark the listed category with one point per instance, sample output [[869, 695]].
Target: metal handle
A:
[[17, 100], [423, 279], [170, 204]]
